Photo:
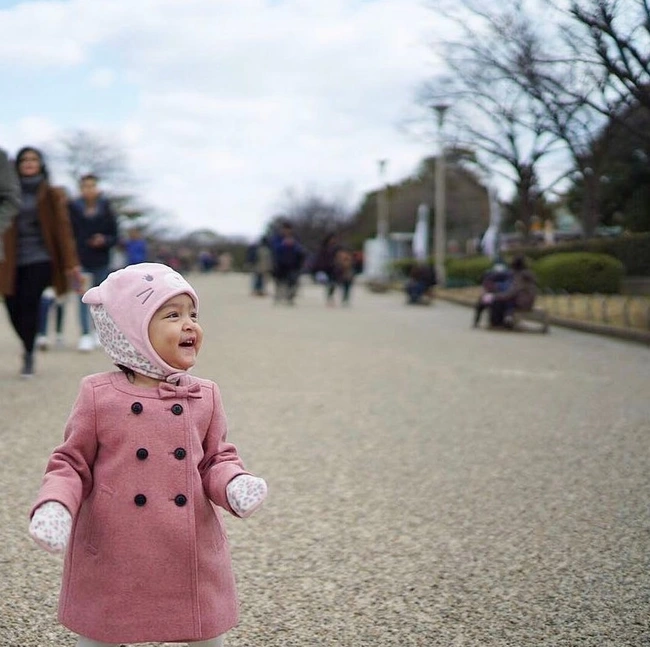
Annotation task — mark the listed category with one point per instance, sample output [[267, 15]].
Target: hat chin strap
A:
[[124, 353]]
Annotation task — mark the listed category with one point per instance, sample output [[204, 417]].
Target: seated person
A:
[[496, 280], [520, 295], [419, 287]]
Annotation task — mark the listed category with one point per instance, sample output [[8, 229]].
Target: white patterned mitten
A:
[[245, 494], [50, 526]]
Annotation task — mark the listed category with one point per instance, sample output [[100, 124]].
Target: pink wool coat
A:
[[139, 470]]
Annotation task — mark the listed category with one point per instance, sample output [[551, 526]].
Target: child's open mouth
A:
[[188, 343]]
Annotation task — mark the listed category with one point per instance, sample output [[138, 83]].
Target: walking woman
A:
[[39, 248]]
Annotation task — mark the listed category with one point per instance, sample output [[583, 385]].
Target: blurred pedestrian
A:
[[323, 264], [225, 262], [343, 276], [421, 284], [95, 229], [206, 261], [497, 279], [9, 196], [40, 250], [135, 247], [262, 266], [520, 295], [288, 259], [337, 263], [49, 300]]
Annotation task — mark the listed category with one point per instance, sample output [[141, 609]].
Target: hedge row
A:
[[633, 250], [583, 272]]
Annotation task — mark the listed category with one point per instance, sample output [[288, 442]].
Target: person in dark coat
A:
[[336, 263], [497, 279], [342, 276], [520, 295], [95, 229], [288, 258], [420, 285], [135, 247]]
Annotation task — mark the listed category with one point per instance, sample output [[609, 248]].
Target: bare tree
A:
[[81, 152], [492, 111], [580, 70], [561, 87], [613, 38], [313, 216]]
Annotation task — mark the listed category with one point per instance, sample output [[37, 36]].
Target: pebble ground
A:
[[429, 484]]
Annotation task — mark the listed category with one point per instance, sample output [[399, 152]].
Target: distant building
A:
[[467, 206]]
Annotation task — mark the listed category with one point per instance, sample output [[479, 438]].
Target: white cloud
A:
[[32, 130], [102, 78], [238, 100]]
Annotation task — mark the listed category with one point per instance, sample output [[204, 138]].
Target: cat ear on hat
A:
[[92, 296]]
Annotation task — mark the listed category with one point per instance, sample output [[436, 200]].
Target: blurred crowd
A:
[[53, 244], [280, 259]]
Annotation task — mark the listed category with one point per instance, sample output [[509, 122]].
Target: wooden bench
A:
[[538, 315]]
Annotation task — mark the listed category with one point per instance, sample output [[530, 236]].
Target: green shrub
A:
[[633, 250], [402, 267], [467, 271], [580, 272], [461, 272]]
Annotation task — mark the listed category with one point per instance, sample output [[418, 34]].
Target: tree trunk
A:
[[526, 191], [590, 202]]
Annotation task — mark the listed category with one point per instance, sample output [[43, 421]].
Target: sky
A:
[[221, 106]]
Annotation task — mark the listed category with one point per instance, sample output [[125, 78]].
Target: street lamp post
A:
[[440, 226], [382, 202], [376, 251]]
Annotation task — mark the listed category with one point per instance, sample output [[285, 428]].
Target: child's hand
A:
[[50, 527], [245, 494]]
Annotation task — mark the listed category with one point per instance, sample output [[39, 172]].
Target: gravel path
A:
[[429, 484]]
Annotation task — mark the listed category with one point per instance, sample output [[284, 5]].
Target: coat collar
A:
[[187, 387]]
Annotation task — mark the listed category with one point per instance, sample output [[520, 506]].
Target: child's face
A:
[[175, 333]]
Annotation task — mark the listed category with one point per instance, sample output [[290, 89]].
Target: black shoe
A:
[[27, 371]]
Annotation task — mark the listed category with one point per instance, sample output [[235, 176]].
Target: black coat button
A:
[[177, 409], [136, 407], [180, 500], [180, 453], [142, 453], [140, 499]]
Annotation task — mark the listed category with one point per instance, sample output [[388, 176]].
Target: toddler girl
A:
[[130, 495]]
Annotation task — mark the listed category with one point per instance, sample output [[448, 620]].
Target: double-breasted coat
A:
[[142, 470]]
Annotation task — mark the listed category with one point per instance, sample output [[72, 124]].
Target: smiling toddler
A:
[[132, 496]]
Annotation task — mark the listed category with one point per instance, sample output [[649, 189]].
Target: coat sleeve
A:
[[63, 228], [221, 462], [68, 476]]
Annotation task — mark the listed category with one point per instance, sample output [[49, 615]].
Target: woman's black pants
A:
[[23, 305]]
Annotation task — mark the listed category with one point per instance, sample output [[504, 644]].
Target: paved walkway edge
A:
[[628, 334]]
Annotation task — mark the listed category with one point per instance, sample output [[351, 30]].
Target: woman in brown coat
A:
[[39, 248]]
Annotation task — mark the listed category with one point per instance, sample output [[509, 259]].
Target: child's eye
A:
[[172, 315], [194, 315]]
